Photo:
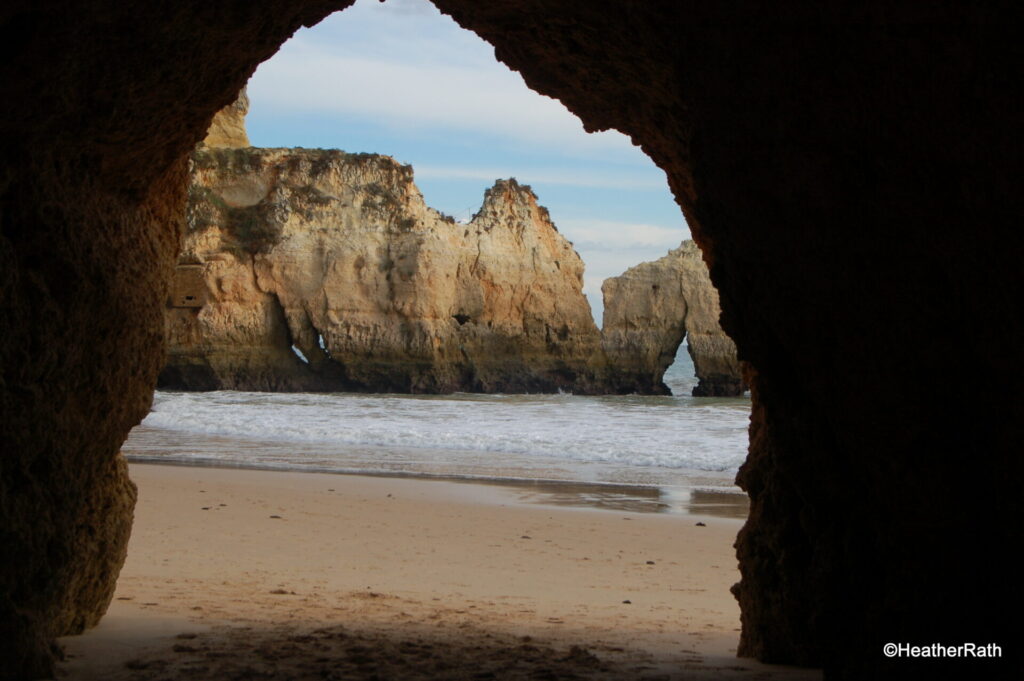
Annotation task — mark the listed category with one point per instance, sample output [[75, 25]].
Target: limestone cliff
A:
[[319, 270], [647, 312]]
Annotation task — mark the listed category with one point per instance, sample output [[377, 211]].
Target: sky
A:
[[401, 79]]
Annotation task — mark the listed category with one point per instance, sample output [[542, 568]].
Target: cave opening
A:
[[300, 432], [404, 80]]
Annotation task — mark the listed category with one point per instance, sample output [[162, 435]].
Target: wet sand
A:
[[242, 574]]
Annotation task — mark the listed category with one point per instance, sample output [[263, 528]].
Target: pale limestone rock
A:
[[228, 126], [337, 256], [650, 308]]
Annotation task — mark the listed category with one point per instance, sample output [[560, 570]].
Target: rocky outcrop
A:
[[227, 130], [650, 308], [321, 270]]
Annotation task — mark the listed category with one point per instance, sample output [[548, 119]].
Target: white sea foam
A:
[[511, 435]]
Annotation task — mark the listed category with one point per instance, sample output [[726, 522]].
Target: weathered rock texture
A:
[[337, 256], [850, 171], [227, 130], [650, 308], [101, 105]]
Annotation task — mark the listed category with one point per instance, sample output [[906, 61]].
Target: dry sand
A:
[[239, 574]]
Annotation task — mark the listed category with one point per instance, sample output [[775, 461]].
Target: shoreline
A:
[[628, 440], [235, 573], [696, 499]]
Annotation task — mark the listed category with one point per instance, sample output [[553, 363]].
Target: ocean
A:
[[642, 453]]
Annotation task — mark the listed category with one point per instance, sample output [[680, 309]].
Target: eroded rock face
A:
[[93, 176], [65, 496], [320, 270], [649, 309]]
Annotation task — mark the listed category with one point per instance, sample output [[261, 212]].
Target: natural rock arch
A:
[[851, 176], [650, 308]]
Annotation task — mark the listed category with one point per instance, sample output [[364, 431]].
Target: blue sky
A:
[[399, 78]]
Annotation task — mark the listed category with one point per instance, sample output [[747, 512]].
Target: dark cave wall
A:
[[101, 103], [872, 210], [851, 178]]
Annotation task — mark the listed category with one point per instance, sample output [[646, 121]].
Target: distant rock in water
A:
[[317, 270], [650, 308]]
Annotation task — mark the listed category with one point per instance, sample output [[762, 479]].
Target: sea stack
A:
[[650, 308], [319, 270]]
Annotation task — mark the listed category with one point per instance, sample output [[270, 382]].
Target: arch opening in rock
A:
[[650, 309]]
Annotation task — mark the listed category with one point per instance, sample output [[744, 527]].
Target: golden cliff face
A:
[[319, 270], [648, 309], [313, 269], [228, 127]]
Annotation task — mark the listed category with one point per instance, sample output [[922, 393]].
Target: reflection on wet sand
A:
[[629, 498], [626, 498], [719, 503], [620, 497], [609, 486]]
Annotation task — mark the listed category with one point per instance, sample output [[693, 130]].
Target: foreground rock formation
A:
[[647, 312], [850, 174], [319, 270]]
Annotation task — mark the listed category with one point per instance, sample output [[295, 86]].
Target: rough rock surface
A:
[[851, 173], [648, 310], [227, 129], [320, 270], [93, 180]]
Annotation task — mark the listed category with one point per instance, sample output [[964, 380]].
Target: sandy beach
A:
[[242, 574]]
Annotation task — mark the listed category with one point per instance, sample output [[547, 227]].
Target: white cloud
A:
[[608, 248], [422, 96], [615, 236], [407, 66], [603, 264]]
